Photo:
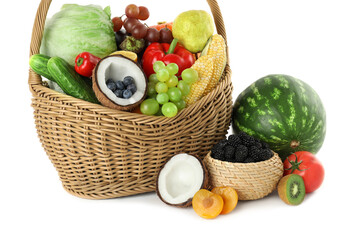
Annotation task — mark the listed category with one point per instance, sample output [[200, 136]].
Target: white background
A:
[[311, 40]]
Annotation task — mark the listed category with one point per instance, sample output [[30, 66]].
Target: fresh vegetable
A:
[[207, 204], [230, 198], [162, 25], [69, 80], [85, 63], [308, 167], [76, 29], [282, 111], [132, 44], [216, 48], [167, 53], [241, 148], [193, 29], [291, 189], [38, 63], [204, 67]]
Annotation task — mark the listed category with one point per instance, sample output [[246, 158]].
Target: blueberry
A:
[[127, 94], [120, 85], [132, 87], [118, 93], [111, 85], [128, 80]]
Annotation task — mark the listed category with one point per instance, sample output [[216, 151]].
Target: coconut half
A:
[[180, 178], [117, 67]]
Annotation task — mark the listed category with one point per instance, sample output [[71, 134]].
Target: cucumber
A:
[[38, 63], [69, 80]]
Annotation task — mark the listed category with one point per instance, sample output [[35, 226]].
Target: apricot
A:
[[207, 204], [230, 198]]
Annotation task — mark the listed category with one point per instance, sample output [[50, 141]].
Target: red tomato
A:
[[308, 167]]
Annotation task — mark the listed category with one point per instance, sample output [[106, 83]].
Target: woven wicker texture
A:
[[102, 153], [251, 180]]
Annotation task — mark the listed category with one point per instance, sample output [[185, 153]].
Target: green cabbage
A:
[[76, 29]]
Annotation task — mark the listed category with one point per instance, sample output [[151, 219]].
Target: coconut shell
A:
[[104, 100], [188, 203]]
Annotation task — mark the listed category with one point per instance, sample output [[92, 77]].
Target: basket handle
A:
[[40, 19]]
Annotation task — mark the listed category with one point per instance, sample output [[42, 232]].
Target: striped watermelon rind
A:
[[282, 111]]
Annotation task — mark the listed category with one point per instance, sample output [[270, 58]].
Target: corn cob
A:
[[204, 67], [217, 50]]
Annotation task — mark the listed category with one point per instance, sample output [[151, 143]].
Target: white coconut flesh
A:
[[181, 177], [117, 68]]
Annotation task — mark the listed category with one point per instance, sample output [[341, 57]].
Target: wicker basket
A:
[[251, 180], [102, 153]]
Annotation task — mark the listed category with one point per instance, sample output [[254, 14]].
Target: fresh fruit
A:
[[180, 104], [139, 31], [180, 178], [169, 109], [149, 106], [166, 35], [207, 204], [117, 23], [184, 87], [133, 87], [162, 98], [172, 81], [163, 75], [38, 63], [241, 148], [193, 29], [230, 198], [189, 75], [152, 35], [69, 80], [173, 68], [132, 11], [120, 36], [130, 23], [282, 111], [143, 13], [128, 54], [308, 167], [291, 189], [161, 25], [161, 87], [174, 94], [204, 68], [216, 48], [132, 44]]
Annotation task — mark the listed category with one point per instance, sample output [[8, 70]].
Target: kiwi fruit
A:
[[291, 189]]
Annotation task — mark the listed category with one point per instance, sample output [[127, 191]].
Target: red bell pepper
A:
[[85, 63], [167, 53]]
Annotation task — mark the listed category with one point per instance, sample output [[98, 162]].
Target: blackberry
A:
[[265, 145], [265, 154], [254, 153], [219, 154], [241, 152], [249, 160], [229, 152], [258, 143], [219, 146], [234, 140], [248, 141]]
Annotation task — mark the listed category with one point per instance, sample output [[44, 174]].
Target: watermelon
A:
[[282, 111]]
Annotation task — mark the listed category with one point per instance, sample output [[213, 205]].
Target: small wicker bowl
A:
[[251, 180]]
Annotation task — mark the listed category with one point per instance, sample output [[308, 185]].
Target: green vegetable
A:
[[282, 111], [69, 80], [38, 63], [76, 29]]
